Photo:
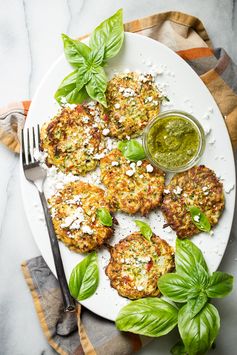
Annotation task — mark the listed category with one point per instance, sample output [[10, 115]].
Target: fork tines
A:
[[32, 144]]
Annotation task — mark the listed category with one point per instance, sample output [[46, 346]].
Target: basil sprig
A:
[[199, 219], [191, 286], [84, 278], [132, 150], [145, 229], [105, 217], [89, 78]]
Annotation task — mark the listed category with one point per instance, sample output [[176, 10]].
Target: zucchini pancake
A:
[[136, 265], [73, 139], [74, 215], [132, 187], [198, 187], [133, 100]]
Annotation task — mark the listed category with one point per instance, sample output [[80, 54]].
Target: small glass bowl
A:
[[199, 130]]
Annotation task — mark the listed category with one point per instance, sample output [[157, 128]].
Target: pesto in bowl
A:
[[174, 141]]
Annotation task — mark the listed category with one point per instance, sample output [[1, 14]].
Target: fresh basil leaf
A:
[[83, 76], [187, 257], [220, 285], [132, 150], [198, 277], [109, 33], [84, 278], [175, 287], [198, 333], [178, 349], [145, 229], [68, 90], [97, 85], [148, 316], [96, 56], [75, 51], [199, 219], [195, 305], [105, 217]]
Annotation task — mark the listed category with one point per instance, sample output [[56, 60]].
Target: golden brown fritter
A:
[[74, 214], [136, 265], [73, 139], [133, 100], [131, 187], [199, 187]]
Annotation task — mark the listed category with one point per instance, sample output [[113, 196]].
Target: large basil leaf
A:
[[152, 317], [199, 219], [68, 90], [145, 229], [105, 217], [84, 278], [132, 150], [97, 85], [198, 333], [220, 285], [178, 349], [75, 51], [110, 34], [187, 256], [195, 305], [175, 287]]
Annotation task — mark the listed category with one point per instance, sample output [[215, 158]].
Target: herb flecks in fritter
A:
[[74, 214], [198, 187], [133, 100], [136, 265], [132, 187], [73, 139]]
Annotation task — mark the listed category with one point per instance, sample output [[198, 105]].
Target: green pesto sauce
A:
[[173, 141]]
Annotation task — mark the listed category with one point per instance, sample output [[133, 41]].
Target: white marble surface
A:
[[29, 42]]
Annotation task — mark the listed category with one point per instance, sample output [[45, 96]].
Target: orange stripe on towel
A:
[[195, 53], [26, 106]]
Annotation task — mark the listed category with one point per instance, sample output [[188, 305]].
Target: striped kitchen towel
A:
[[87, 333]]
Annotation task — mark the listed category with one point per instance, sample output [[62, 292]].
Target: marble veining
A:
[[30, 41]]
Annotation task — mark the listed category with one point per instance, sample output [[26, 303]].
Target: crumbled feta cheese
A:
[[87, 229], [211, 233], [128, 92], [196, 218], [85, 119], [141, 176], [128, 138], [140, 287], [139, 163], [148, 99], [122, 119], [67, 222], [166, 191], [40, 156], [99, 156], [117, 106], [133, 165], [105, 131], [149, 168], [115, 163], [228, 187], [130, 172], [205, 188], [177, 190]]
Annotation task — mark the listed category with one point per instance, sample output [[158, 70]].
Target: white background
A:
[[29, 43]]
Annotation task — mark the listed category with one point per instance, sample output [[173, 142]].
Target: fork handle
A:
[[69, 303]]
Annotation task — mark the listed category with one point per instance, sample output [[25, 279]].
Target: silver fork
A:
[[36, 175]]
